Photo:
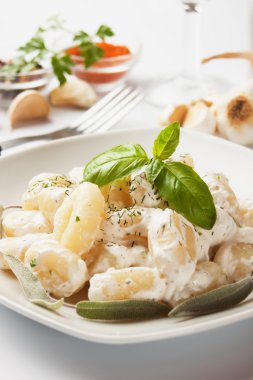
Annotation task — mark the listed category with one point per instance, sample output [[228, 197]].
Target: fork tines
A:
[[109, 110]]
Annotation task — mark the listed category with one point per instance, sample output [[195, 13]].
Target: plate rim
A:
[[70, 139], [204, 326]]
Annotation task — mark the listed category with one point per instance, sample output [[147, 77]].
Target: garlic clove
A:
[[75, 93], [234, 114], [173, 113], [200, 118], [26, 106]]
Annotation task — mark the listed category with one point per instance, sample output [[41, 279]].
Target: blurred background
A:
[[226, 25]]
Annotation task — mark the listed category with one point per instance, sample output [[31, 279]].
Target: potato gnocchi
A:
[[124, 240]]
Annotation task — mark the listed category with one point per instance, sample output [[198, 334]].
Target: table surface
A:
[[29, 350]]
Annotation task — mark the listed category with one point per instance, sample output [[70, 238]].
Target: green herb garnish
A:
[[36, 50], [221, 298], [115, 163], [176, 183], [166, 142], [122, 310], [33, 263], [77, 218], [61, 64], [89, 49], [31, 285], [185, 191], [104, 31]]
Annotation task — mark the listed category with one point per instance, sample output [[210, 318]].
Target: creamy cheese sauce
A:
[[125, 240]]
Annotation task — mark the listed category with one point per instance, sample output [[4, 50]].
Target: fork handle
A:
[[15, 141]]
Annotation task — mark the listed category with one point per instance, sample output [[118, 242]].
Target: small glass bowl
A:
[[12, 84], [106, 73]]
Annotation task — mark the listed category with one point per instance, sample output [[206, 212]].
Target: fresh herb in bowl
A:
[[35, 51]]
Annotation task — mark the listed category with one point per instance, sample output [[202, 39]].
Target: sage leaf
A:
[[122, 310], [167, 141], [218, 299], [31, 285], [115, 163], [184, 190]]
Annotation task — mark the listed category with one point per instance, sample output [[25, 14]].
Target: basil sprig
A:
[[177, 183]]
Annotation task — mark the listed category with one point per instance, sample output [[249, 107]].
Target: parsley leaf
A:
[[104, 31], [89, 50], [35, 50], [61, 66], [82, 37], [91, 54], [18, 65], [33, 263], [35, 44]]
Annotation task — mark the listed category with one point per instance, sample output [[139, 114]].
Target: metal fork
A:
[[99, 118]]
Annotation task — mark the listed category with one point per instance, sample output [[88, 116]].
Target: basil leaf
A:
[[215, 300], [31, 285], [115, 163], [185, 191], [167, 141], [122, 310]]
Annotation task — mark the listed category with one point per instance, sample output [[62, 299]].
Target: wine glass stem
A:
[[191, 42]]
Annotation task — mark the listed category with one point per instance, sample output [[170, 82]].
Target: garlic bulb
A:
[[75, 93], [198, 115], [200, 118], [234, 115]]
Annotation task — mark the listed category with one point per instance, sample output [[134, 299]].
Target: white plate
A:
[[209, 153]]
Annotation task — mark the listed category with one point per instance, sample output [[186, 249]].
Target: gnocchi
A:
[[128, 283], [19, 223], [77, 220], [38, 183], [61, 272], [18, 246]]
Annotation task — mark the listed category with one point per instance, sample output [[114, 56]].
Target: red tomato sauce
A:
[[110, 51]]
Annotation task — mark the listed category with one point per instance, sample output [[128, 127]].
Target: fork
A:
[[99, 118]]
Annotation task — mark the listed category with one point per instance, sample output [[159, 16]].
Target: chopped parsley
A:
[[33, 263]]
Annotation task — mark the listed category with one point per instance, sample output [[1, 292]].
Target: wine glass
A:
[[190, 84]]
